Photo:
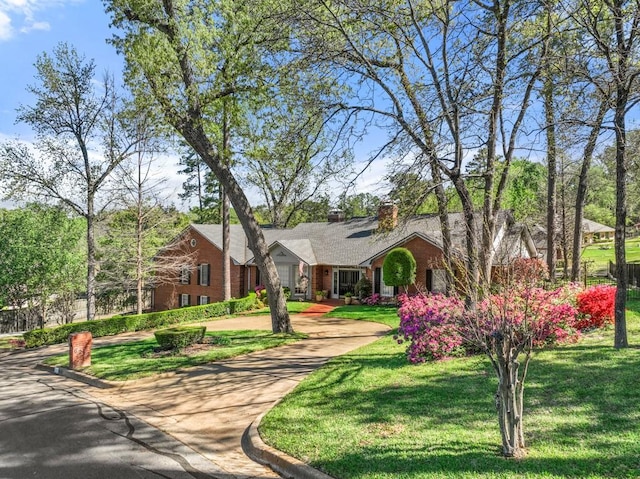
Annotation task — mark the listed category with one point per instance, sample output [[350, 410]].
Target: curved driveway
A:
[[209, 407]]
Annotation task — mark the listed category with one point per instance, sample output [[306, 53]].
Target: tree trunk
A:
[[509, 399], [581, 193], [552, 167], [91, 260], [471, 244], [224, 199], [620, 340], [197, 138]]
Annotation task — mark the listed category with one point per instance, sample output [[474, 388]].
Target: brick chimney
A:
[[387, 216], [335, 216]]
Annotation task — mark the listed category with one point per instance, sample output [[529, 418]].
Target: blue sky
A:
[[31, 27]]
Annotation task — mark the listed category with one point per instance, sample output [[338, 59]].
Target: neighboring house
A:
[[333, 255], [591, 232]]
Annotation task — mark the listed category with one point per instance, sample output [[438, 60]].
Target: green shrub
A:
[[179, 337], [140, 322]]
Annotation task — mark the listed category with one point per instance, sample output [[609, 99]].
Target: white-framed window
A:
[[203, 275], [184, 300], [203, 300], [185, 275]]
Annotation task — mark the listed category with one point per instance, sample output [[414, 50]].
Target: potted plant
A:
[[348, 297], [319, 296]]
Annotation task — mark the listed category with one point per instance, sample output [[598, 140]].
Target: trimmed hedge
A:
[[139, 322], [179, 337]]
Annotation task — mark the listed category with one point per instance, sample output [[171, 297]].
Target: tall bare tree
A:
[[611, 29], [79, 143], [449, 78]]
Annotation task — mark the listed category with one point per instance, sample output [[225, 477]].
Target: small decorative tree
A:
[[399, 268], [506, 327]]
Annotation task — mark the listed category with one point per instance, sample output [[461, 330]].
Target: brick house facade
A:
[[330, 256]]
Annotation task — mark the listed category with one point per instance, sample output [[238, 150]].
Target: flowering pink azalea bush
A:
[[437, 326], [428, 322], [373, 300], [596, 306]]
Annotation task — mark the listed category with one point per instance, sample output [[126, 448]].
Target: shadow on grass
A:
[[582, 416]]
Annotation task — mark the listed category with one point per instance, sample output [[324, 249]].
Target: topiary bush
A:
[[179, 337], [399, 268], [138, 322]]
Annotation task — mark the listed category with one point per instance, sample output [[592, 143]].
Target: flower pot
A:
[[347, 299]]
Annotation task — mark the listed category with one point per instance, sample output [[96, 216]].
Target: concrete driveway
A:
[[209, 407]]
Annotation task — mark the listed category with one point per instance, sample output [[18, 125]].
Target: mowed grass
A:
[[380, 314], [370, 414], [136, 359], [598, 255], [293, 307]]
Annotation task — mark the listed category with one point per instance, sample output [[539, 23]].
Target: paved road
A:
[[50, 428], [55, 425]]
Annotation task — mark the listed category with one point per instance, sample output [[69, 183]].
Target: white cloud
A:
[[6, 30], [42, 26], [20, 15]]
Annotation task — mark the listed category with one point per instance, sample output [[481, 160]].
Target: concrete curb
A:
[[285, 465], [75, 375]]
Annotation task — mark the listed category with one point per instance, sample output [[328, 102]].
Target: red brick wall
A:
[[427, 256], [167, 295]]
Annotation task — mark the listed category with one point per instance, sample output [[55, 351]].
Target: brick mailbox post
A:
[[80, 349]]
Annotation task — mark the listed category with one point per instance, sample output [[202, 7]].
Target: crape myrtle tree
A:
[[448, 78], [185, 58], [507, 326], [78, 144]]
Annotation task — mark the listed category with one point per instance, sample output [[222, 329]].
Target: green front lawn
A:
[[371, 414], [380, 314], [137, 359], [293, 307], [598, 255]]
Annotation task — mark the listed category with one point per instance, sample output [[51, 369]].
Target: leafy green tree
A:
[[41, 258], [523, 194], [202, 186], [360, 204], [399, 268], [186, 58], [73, 119]]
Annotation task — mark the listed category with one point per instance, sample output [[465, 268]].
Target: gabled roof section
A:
[[237, 240], [403, 241], [301, 248]]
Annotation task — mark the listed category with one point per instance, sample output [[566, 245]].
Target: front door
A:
[[347, 279]]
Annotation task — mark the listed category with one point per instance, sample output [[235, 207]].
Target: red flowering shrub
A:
[[596, 306]]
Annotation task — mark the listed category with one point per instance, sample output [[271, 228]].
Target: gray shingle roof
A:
[[347, 243]]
